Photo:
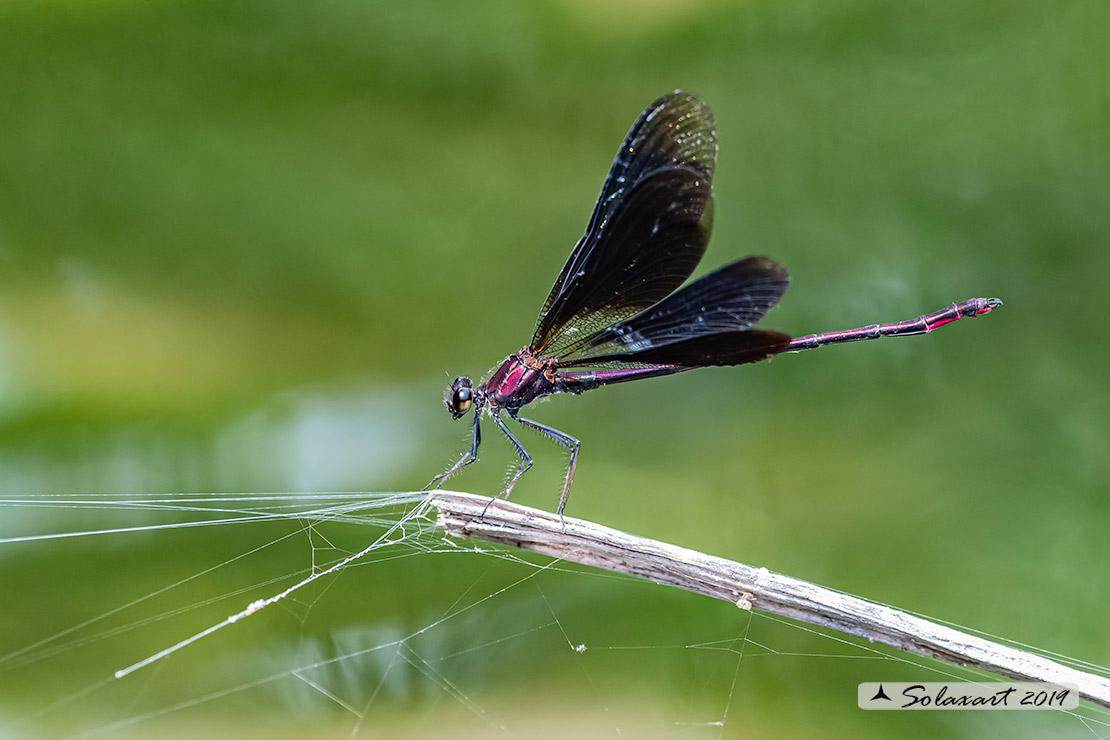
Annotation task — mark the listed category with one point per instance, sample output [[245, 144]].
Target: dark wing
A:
[[706, 350], [648, 230], [708, 322]]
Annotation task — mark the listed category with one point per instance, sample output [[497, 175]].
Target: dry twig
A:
[[461, 515]]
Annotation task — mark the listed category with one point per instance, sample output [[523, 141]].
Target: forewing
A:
[[712, 314], [648, 230]]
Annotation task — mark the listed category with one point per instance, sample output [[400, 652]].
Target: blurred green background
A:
[[245, 246]]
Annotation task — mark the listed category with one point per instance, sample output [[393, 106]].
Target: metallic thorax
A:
[[521, 378]]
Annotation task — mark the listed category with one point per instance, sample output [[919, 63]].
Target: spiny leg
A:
[[565, 440], [525, 460], [467, 457]]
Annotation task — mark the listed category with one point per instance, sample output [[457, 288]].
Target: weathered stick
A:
[[467, 515]]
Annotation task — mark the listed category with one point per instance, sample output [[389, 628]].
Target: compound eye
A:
[[460, 397]]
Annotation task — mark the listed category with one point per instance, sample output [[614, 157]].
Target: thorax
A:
[[520, 379]]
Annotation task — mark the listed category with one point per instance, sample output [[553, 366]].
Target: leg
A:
[[525, 458], [467, 457], [565, 440]]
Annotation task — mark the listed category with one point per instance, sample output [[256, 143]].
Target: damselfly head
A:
[[460, 397]]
